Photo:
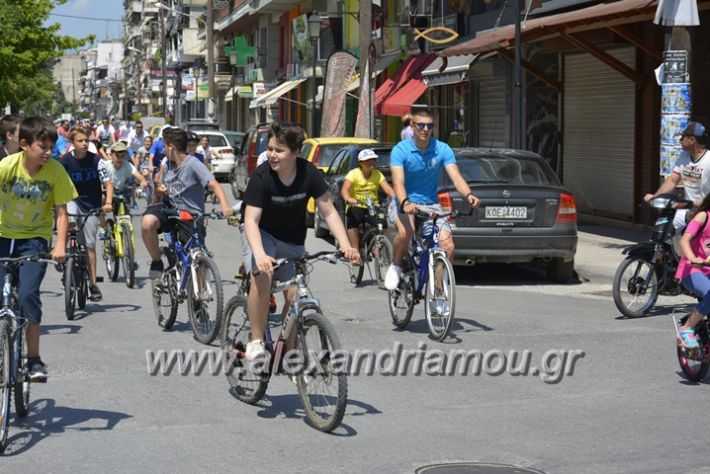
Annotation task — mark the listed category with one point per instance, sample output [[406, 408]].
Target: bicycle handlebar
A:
[[42, 257], [325, 255]]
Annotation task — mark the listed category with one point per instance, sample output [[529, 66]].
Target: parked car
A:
[[255, 142], [193, 125], [525, 215], [320, 152], [222, 161], [235, 139]]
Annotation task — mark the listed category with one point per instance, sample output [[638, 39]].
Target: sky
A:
[[93, 15]]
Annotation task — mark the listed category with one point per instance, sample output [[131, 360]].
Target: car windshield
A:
[[505, 170], [326, 154], [217, 140], [262, 141]]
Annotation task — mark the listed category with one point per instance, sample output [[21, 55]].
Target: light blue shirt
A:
[[422, 171]]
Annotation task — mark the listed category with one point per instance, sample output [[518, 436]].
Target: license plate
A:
[[506, 212]]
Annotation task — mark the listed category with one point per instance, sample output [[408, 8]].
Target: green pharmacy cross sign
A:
[[240, 50]]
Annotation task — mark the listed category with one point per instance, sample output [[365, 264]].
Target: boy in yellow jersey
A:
[[359, 183], [32, 185]]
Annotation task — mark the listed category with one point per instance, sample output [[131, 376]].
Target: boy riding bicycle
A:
[[121, 172], [32, 185]]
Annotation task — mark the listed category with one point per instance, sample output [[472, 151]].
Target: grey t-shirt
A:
[[186, 184]]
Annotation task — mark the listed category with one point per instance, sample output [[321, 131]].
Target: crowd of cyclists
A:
[[51, 173]]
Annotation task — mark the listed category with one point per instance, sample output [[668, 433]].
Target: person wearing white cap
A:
[[692, 167], [359, 184]]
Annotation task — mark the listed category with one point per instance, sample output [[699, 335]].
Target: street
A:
[[623, 407]]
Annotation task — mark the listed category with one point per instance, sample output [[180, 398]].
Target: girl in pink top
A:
[[695, 243]]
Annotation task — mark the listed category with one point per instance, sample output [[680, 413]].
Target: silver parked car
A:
[[222, 160]]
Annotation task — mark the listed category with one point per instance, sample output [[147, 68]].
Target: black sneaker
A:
[[36, 370], [94, 293], [156, 269]]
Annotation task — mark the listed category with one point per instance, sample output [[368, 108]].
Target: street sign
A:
[[239, 51]]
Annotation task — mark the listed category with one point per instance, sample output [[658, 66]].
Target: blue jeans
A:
[[699, 284], [31, 274]]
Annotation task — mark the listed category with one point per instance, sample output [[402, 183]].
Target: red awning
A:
[[401, 102], [596, 16], [410, 69]]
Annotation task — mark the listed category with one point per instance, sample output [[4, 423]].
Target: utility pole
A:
[[164, 88], [210, 59], [517, 86], [73, 93]]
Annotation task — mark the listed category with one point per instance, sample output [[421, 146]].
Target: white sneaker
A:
[[392, 277], [255, 350]]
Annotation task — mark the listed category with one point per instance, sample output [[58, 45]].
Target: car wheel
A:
[[559, 271]]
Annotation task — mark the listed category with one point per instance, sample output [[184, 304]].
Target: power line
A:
[[86, 18]]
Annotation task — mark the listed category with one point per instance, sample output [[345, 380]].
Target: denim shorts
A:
[[31, 274]]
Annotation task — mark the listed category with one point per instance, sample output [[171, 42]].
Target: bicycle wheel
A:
[[635, 287], [401, 299], [245, 384], [356, 271], [206, 308], [109, 250], [5, 388], [69, 288], [129, 268], [322, 387], [695, 363], [381, 251], [165, 300], [21, 388], [440, 301], [81, 280]]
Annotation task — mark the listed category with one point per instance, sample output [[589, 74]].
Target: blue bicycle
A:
[[427, 275], [191, 275]]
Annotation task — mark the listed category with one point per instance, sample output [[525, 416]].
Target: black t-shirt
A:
[[84, 173], [284, 207]]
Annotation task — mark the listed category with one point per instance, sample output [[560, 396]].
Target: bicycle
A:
[[120, 243], [694, 362], [75, 276], [13, 351], [316, 341], [191, 275], [424, 266], [374, 247]]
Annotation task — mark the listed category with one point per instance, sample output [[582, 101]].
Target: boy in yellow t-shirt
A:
[[359, 183], [32, 185]]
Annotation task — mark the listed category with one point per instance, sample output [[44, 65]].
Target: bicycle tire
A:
[[357, 271], [695, 363], [21, 387], [440, 323], [381, 250], [82, 281], [128, 259], [245, 385], [401, 300], [69, 288], [5, 364], [322, 346], [621, 287], [165, 310], [204, 329]]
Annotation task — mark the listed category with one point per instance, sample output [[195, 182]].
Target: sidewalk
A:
[[599, 250]]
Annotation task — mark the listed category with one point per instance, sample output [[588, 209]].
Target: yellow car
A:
[[321, 151]]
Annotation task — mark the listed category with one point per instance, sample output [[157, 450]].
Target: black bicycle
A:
[[76, 277], [13, 348], [374, 246]]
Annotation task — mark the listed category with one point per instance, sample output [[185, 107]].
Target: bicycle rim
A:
[[165, 303], [440, 297], [69, 288], [246, 384], [635, 287], [21, 388], [4, 384], [127, 260], [323, 384], [694, 364], [205, 308]]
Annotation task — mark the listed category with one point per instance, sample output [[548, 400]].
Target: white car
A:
[[222, 160]]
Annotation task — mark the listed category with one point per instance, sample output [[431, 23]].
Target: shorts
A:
[[357, 216], [30, 276], [442, 223], [275, 248], [183, 229], [91, 226]]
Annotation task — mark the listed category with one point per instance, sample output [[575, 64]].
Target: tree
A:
[[27, 53]]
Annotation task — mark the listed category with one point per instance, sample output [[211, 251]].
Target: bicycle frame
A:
[[424, 249], [187, 254], [121, 217]]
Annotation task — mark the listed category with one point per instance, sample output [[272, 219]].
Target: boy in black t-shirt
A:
[[275, 222]]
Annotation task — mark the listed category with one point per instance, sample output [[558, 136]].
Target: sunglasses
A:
[[423, 126]]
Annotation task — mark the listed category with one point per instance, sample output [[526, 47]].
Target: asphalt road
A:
[[625, 408]]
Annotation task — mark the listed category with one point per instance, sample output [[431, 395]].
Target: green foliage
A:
[[136, 117], [27, 52]]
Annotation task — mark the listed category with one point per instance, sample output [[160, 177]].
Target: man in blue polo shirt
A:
[[416, 165]]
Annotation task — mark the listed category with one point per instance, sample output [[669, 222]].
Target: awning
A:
[[381, 64], [450, 70], [401, 102], [274, 94], [596, 16], [409, 70], [677, 13], [243, 92]]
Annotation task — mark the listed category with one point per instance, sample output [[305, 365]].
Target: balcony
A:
[[272, 6]]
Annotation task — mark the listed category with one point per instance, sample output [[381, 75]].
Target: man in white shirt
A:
[[136, 137]]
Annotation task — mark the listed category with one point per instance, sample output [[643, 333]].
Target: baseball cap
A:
[[366, 154], [694, 129], [119, 146]]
